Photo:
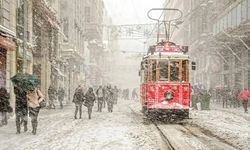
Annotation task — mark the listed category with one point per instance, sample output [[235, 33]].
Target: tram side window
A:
[[154, 70], [163, 70], [185, 71], [174, 71], [145, 71]]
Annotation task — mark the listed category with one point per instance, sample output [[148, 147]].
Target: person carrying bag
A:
[[35, 100]]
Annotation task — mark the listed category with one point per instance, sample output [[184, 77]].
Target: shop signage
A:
[[7, 44]]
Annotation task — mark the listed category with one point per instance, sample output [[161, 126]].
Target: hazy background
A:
[[125, 12], [131, 11]]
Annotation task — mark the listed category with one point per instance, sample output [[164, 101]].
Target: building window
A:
[[225, 22], [234, 17], [244, 10], [87, 14], [229, 19], [238, 14], [5, 13], [248, 9]]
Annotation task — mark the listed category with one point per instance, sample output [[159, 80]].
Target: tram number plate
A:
[[165, 102]]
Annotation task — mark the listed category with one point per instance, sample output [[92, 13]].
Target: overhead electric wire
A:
[[156, 24]]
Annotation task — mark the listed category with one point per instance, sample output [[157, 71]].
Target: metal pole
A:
[[158, 30], [25, 25], [169, 28]]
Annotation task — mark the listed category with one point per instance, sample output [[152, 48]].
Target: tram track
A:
[[184, 135], [164, 138]]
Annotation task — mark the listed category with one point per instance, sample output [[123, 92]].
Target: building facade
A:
[[45, 38], [7, 44], [217, 33]]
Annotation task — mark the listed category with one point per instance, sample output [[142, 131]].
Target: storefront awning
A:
[[53, 23], [7, 43], [59, 72]]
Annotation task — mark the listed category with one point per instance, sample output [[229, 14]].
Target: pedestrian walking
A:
[[110, 99], [52, 96], [4, 106], [34, 98], [105, 96], [244, 96], [78, 99], [116, 94], [100, 98], [61, 94], [134, 94], [89, 101], [21, 109]]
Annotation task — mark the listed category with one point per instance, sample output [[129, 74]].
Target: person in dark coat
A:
[[116, 93], [52, 96], [100, 98], [61, 94], [110, 99], [89, 100], [78, 99], [21, 109], [4, 104], [105, 96]]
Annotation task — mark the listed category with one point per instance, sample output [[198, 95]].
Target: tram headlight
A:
[[175, 87], [169, 95]]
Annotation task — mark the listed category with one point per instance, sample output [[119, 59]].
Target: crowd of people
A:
[[55, 95], [103, 96], [29, 102], [226, 96]]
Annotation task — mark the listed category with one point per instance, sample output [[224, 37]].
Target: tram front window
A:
[[174, 71], [163, 70]]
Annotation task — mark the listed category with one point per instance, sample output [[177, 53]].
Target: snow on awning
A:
[[59, 72], [53, 23]]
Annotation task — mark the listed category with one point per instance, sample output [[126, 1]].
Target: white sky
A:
[[131, 11]]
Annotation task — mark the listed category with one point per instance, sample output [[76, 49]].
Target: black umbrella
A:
[[25, 81]]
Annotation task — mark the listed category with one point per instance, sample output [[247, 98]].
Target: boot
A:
[[25, 126], [18, 128], [34, 127]]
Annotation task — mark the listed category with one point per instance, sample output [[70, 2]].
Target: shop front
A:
[[7, 50]]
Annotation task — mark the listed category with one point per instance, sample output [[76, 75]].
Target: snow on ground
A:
[[232, 126], [122, 129], [58, 130]]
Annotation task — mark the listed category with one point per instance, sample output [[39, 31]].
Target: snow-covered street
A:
[[126, 129], [58, 130]]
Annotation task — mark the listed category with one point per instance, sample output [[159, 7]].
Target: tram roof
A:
[[167, 55]]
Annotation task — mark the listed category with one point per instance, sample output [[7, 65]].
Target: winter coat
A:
[[34, 98], [52, 93], [245, 95], [110, 96], [100, 92], [4, 100], [21, 100], [61, 93], [78, 96], [89, 99]]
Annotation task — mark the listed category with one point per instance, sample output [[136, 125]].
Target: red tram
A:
[[165, 86]]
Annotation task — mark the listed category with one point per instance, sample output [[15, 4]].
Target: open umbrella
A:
[[25, 81]]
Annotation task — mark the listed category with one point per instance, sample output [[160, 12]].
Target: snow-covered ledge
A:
[[8, 31]]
